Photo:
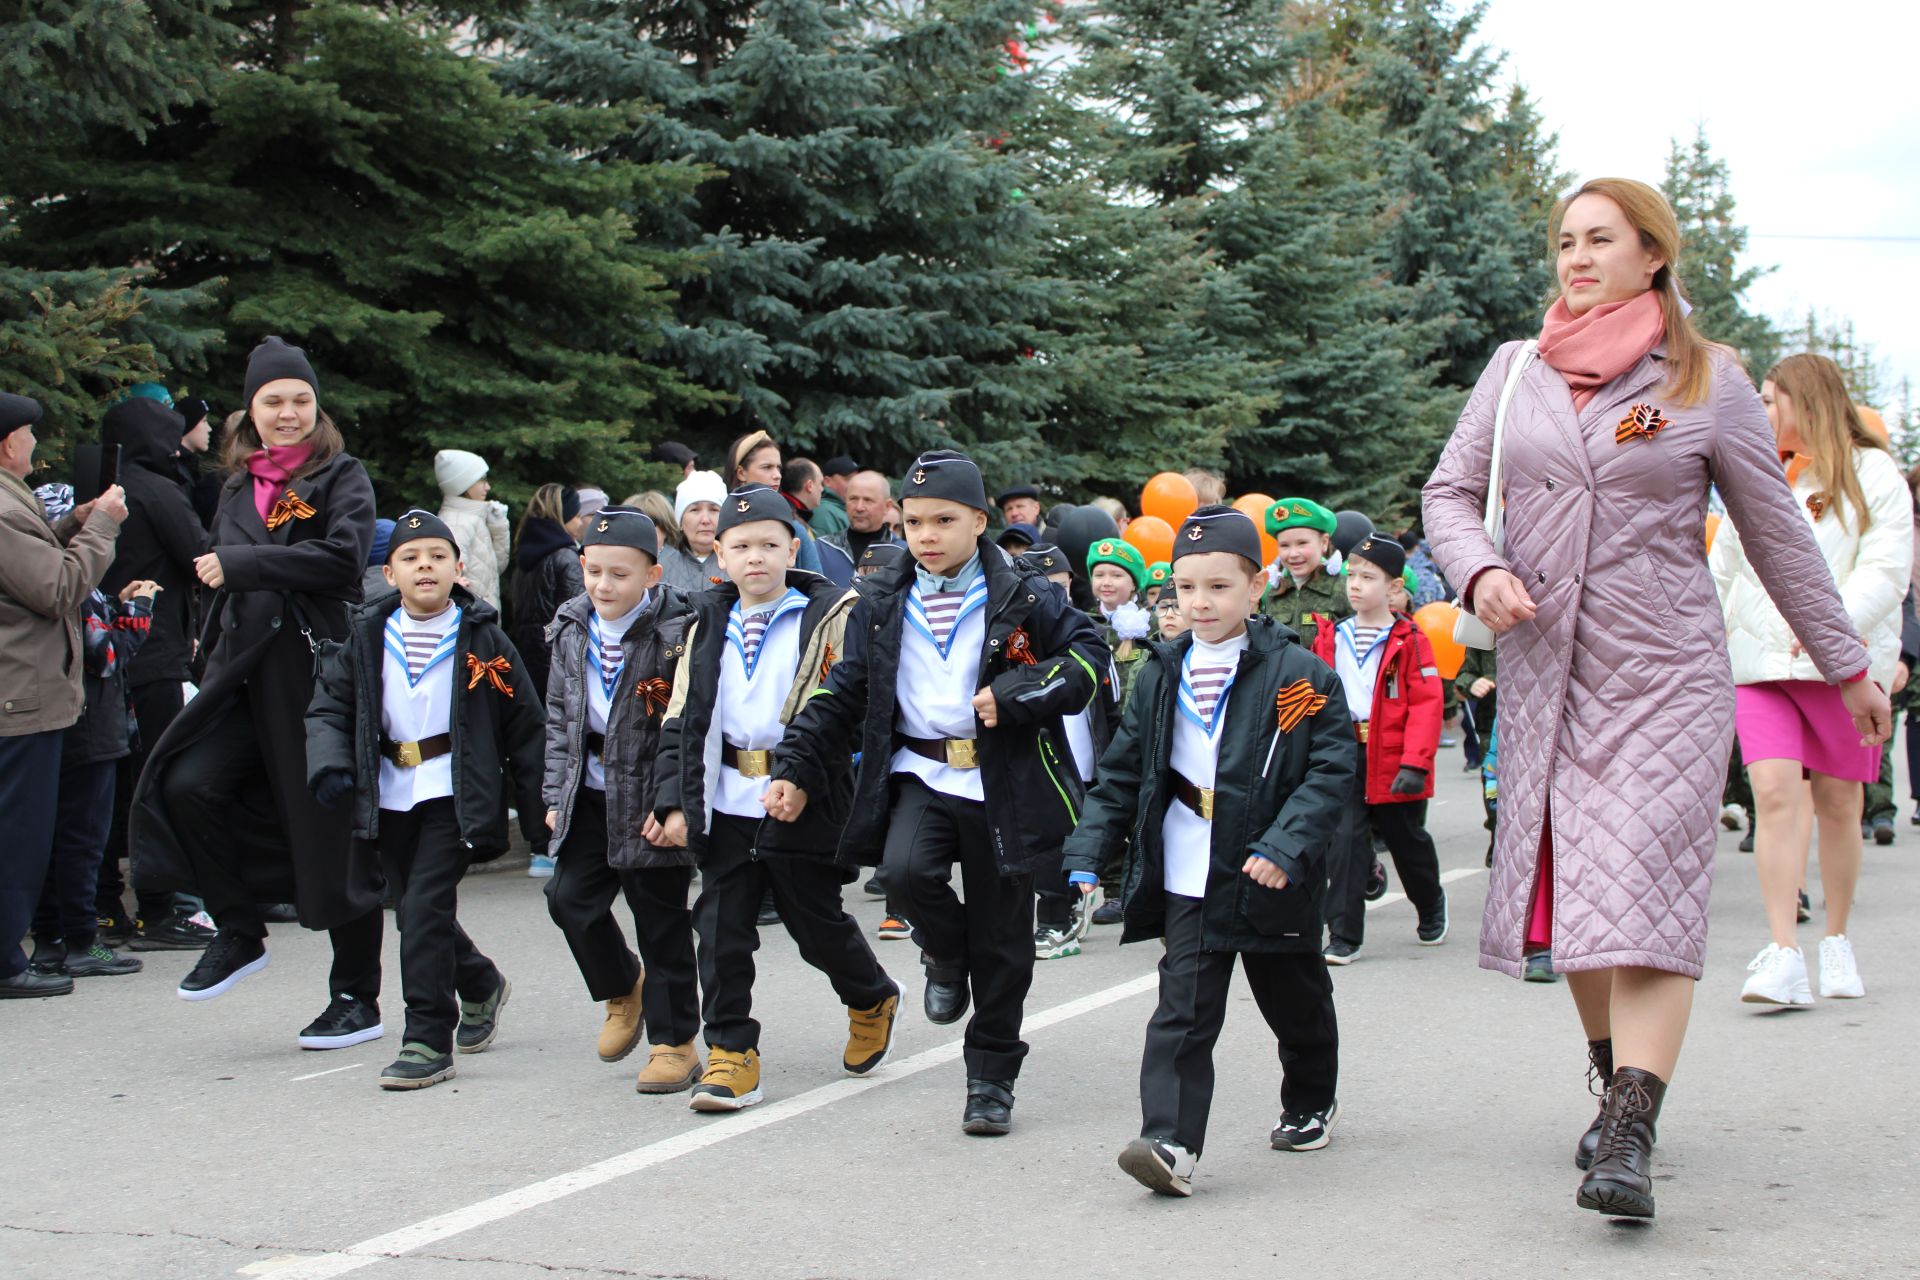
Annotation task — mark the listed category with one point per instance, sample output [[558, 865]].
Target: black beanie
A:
[[1381, 551], [622, 527], [416, 524], [751, 503], [569, 505], [277, 358], [17, 412], [943, 473], [1218, 528]]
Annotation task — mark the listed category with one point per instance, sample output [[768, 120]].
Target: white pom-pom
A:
[[1131, 622]]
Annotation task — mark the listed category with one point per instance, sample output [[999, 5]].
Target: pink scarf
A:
[[1592, 350], [271, 468]]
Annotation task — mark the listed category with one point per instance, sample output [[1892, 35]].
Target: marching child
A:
[[1231, 767], [1303, 585], [1394, 698], [755, 651], [422, 716], [614, 653], [957, 672]]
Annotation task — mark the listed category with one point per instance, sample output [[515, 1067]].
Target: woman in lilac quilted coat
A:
[[1616, 700]]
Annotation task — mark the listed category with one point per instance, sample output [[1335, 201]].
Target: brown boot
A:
[[1620, 1183], [1599, 1076], [670, 1068], [621, 1031]]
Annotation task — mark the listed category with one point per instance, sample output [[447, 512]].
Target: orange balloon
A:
[[1871, 419], [1255, 506], [1269, 545], [1436, 623], [1152, 536], [1713, 527], [1169, 497]]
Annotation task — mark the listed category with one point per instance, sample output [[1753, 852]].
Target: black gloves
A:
[[335, 785], [1409, 781]]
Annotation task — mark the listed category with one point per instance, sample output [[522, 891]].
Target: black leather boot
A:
[[946, 996], [1599, 1076], [989, 1107], [1620, 1183]]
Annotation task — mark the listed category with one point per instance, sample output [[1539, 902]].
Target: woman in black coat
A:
[[546, 572], [222, 808]]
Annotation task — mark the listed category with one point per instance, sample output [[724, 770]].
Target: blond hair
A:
[[1830, 429]]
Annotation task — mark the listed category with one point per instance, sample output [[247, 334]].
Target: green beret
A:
[[1299, 513], [1122, 554], [1407, 580], [1159, 572]]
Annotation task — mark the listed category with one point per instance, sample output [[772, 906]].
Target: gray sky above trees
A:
[[1813, 107]]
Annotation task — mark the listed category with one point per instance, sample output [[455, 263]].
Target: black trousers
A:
[[29, 788], [82, 814], [1295, 996], [732, 882], [215, 793], [423, 858], [988, 940], [580, 899], [155, 704], [1403, 827], [1053, 896]]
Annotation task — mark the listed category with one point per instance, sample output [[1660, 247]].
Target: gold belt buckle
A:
[[754, 764], [963, 753], [407, 755], [1360, 729], [1206, 803]]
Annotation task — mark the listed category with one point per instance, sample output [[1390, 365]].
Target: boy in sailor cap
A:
[[1232, 763], [958, 671], [421, 717]]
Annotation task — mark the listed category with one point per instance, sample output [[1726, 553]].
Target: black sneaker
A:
[[175, 933], [279, 913], [28, 985], [114, 930], [480, 1022], [99, 961], [989, 1111], [48, 957], [1746, 841], [227, 959], [1307, 1131], [769, 913], [1802, 909], [1339, 953], [1915, 819], [874, 888], [346, 1022], [1109, 912], [1883, 829], [1432, 929], [1158, 1165], [1376, 882], [417, 1067]]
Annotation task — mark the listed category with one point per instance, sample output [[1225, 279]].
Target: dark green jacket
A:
[[1324, 593], [1479, 662], [1288, 813]]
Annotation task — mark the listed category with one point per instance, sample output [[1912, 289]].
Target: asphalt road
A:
[[147, 1137]]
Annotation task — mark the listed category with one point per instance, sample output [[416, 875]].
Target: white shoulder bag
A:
[[1467, 629]]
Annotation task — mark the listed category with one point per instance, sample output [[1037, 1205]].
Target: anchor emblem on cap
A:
[[1047, 563], [1195, 533], [920, 476], [414, 523], [603, 526], [744, 506]]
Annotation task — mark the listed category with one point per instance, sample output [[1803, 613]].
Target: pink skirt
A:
[[1802, 720]]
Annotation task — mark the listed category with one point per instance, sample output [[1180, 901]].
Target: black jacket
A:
[[546, 574], [682, 767], [161, 536], [494, 734], [1033, 792], [1288, 811], [111, 634]]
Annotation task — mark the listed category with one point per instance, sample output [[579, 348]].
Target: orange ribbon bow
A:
[[1817, 503], [826, 663], [494, 669], [1295, 703], [1645, 420], [1020, 648], [654, 694], [288, 508]]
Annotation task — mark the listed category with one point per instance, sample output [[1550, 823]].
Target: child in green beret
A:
[[1304, 531]]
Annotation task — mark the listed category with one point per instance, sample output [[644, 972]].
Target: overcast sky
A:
[[1814, 107]]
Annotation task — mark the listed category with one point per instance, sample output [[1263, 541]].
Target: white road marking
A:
[[329, 1071], [407, 1239], [1446, 877]]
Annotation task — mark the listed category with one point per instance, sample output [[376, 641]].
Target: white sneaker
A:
[[1839, 975], [1779, 977], [1733, 817], [1159, 1165]]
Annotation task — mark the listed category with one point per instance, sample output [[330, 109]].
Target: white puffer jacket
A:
[[1872, 570], [480, 527]]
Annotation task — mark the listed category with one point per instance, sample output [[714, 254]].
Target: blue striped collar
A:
[[794, 601], [974, 600], [1229, 652], [396, 645]]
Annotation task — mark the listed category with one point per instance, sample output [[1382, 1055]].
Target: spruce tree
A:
[[1699, 188]]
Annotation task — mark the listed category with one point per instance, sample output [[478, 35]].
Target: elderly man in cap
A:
[[45, 572], [1019, 505]]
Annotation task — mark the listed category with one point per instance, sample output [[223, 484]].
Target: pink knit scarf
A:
[[271, 468], [1592, 350]]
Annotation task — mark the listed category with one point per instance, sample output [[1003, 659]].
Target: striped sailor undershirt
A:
[[420, 642], [1364, 637], [1207, 683]]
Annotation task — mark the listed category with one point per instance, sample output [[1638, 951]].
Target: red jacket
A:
[[1408, 706]]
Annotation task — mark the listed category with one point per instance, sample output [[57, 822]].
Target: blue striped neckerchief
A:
[[1188, 706], [737, 626], [971, 579], [396, 645], [596, 635]]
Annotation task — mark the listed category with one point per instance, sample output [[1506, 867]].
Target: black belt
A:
[[411, 755], [747, 761], [959, 753], [1198, 799]]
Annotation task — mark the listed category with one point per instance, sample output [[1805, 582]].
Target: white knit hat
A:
[[457, 471], [701, 486]]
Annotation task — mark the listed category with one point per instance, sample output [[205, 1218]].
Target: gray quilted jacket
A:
[[1616, 701]]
